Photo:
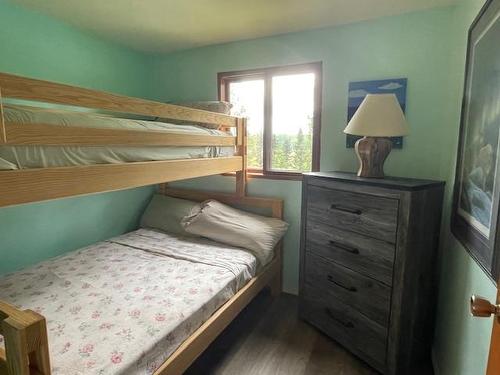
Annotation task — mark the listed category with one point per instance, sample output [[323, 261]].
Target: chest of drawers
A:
[[367, 278]]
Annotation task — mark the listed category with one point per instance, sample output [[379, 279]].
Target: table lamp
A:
[[378, 117]]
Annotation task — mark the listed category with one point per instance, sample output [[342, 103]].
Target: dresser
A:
[[367, 275]]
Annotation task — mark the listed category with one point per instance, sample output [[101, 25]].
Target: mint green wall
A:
[[37, 46], [461, 342], [413, 45], [426, 47]]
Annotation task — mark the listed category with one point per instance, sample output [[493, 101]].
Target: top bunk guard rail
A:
[[16, 87], [30, 185]]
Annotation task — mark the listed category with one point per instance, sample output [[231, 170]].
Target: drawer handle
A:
[[347, 248], [333, 317], [349, 288], [353, 211]]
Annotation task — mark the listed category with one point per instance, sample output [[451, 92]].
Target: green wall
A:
[[413, 46], [37, 46], [426, 47], [461, 342]]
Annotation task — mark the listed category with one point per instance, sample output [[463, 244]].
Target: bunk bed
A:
[[37, 184], [24, 332]]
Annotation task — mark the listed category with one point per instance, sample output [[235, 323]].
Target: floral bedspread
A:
[[122, 306]]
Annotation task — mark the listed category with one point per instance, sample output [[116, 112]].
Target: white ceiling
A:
[[167, 25]]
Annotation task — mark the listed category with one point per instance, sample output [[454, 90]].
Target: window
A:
[[283, 107]]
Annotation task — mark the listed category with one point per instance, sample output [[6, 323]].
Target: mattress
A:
[[21, 157], [122, 306]]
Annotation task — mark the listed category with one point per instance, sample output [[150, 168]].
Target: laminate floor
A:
[[268, 338]]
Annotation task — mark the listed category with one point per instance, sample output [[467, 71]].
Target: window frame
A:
[[225, 78]]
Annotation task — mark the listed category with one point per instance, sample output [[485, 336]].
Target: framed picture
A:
[[357, 93], [477, 178]]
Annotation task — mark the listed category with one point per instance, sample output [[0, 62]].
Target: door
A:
[[481, 307]]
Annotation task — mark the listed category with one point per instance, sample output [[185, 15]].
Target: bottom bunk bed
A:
[[146, 302]]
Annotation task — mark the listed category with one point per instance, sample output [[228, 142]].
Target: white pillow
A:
[[165, 213], [228, 225]]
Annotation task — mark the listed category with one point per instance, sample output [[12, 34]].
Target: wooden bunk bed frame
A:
[[32, 185], [25, 332]]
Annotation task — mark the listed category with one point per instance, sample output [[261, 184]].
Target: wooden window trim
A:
[[225, 78]]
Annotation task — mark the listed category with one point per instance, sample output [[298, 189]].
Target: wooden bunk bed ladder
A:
[[26, 346]]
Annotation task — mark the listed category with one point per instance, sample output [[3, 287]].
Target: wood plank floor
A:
[[268, 338]]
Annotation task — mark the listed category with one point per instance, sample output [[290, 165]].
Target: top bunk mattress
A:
[[23, 157], [123, 306]]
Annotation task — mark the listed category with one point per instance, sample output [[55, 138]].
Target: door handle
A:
[[482, 308]]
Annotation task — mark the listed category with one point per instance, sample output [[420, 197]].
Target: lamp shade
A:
[[379, 115]]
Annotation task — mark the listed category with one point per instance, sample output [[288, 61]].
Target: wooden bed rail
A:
[[275, 205], [17, 87], [32, 185], [26, 345], [3, 135], [53, 135], [12, 133]]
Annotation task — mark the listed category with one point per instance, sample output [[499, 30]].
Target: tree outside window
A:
[[282, 106]]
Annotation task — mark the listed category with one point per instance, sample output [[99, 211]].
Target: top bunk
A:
[[103, 142]]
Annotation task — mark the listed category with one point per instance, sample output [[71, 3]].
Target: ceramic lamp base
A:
[[372, 152]]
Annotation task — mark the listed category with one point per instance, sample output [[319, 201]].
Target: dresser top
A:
[[399, 183]]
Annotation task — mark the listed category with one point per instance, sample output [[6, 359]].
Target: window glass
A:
[[247, 98], [292, 122], [280, 106]]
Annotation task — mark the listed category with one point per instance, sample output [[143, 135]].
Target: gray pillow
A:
[[225, 224], [165, 213]]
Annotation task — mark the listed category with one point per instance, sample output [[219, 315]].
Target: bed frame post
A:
[[276, 283], [241, 142], [26, 344], [162, 188], [3, 132]]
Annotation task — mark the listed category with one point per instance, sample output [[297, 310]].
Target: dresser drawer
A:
[[360, 213], [347, 326], [337, 283], [367, 251], [369, 256]]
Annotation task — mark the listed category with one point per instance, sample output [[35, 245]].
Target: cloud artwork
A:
[[358, 93], [391, 86]]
